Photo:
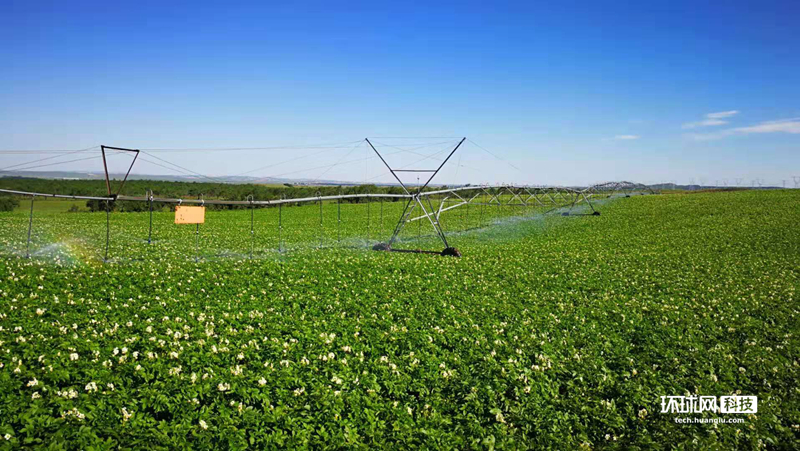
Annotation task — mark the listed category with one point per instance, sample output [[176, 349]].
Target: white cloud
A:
[[712, 119], [791, 125], [780, 126], [707, 136], [626, 137], [704, 123], [722, 114]]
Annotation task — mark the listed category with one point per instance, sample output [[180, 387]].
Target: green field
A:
[[51, 205], [551, 331]]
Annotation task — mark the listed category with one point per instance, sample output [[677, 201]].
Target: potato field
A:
[[550, 331]]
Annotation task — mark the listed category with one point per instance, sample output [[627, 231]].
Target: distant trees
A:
[[186, 190], [8, 203]]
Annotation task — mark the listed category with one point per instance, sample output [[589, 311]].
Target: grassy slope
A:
[[556, 332]]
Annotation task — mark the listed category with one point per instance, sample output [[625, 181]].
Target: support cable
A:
[[338, 161], [446, 149], [272, 165], [319, 167], [342, 145], [183, 168], [492, 154], [49, 164], [49, 158]]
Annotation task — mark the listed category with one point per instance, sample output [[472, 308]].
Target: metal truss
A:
[[416, 199], [548, 197], [105, 168], [627, 189], [431, 203]]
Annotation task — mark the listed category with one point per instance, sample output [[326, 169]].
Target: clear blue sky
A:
[[568, 92]]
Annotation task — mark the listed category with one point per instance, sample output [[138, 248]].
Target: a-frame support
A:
[[416, 200], [105, 168], [581, 195]]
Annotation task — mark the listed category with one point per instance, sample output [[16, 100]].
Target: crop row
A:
[[551, 331]]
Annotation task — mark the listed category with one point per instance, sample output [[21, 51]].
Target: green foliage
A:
[[187, 190], [8, 203], [550, 332]]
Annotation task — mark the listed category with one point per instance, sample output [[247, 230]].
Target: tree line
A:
[[186, 190]]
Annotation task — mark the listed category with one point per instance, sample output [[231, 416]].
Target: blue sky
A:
[[567, 92]]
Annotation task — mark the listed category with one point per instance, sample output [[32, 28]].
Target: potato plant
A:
[[552, 332]]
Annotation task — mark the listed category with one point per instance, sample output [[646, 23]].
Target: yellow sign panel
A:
[[190, 215]]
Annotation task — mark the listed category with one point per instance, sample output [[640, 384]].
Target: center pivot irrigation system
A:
[[420, 203]]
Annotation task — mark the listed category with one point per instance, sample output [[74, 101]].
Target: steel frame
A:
[[105, 168], [551, 198], [416, 198], [627, 189]]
